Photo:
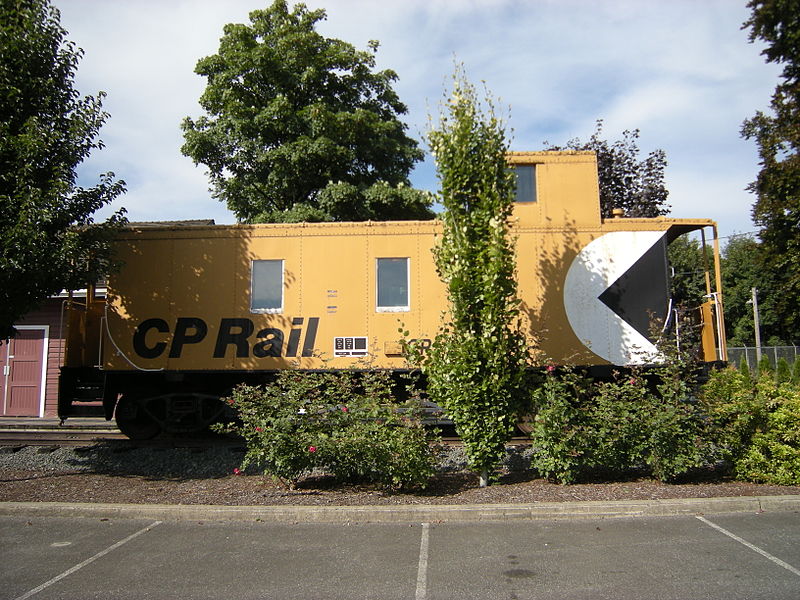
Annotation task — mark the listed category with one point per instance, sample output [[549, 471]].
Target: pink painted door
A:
[[3, 373], [22, 369]]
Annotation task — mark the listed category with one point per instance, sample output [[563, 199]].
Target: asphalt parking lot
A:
[[742, 555]]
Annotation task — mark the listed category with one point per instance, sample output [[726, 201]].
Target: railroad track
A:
[[77, 436], [515, 441], [49, 437], [71, 437]]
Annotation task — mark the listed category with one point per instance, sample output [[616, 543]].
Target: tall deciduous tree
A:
[[741, 272], [48, 240], [301, 127], [477, 362], [636, 186], [777, 207]]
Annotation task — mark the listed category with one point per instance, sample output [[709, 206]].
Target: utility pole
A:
[[756, 324]]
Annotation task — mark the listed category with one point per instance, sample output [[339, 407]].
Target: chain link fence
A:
[[774, 353]]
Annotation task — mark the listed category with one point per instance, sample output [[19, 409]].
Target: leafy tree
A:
[[48, 241], [739, 263], [476, 364], [741, 272], [636, 186], [301, 127], [688, 286], [777, 188]]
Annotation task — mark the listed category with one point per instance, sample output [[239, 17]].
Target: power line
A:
[[733, 235]]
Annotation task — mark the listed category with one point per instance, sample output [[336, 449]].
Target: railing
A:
[[773, 353]]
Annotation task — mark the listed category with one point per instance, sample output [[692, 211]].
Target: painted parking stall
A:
[[667, 557]]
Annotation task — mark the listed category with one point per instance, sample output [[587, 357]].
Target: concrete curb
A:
[[406, 513]]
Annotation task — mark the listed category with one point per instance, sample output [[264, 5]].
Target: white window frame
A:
[[252, 283], [394, 309]]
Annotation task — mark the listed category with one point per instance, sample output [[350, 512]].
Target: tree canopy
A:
[[298, 126], [777, 188], [48, 239], [636, 186]]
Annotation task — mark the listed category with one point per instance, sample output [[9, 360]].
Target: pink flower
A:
[[259, 430], [632, 381], [312, 448], [551, 368], [230, 401], [236, 471], [344, 409]]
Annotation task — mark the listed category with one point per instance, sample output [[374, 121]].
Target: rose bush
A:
[[345, 423], [630, 421]]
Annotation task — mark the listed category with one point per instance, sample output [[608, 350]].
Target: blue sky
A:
[[682, 72]]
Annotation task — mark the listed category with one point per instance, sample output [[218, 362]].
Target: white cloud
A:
[[682, 72]]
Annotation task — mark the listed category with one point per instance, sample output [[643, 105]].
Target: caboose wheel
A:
[[133, 421], [525, 423]]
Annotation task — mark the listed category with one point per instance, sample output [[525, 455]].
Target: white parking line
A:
[[100, 554], [767, 555], [422, 570]]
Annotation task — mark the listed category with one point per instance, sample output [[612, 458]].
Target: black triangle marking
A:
[[640, 296]]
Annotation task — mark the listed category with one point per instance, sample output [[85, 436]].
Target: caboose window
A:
[[266, 286], [526, 183], [392, 293]]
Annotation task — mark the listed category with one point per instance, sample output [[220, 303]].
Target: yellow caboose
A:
[[197, 309]]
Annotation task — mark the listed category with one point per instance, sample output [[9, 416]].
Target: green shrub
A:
[[558, 430], [757, 427], [345, 423], [744, 369], [639, 418], [617, 432], [783, 372], [734, 410], [615, 425], [765, 367], [796, 372], [773, 455], [677, 440]]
